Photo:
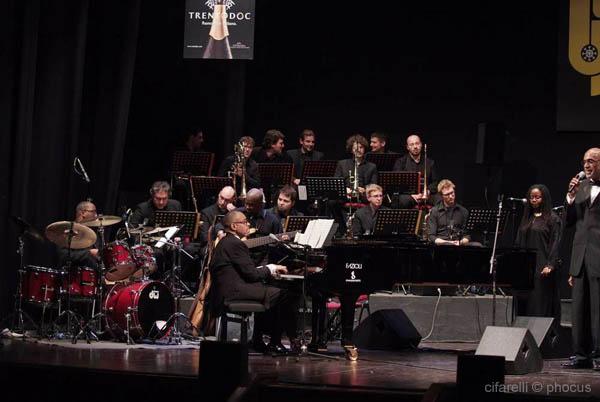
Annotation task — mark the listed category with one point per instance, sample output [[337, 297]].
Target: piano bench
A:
[[241, 308]]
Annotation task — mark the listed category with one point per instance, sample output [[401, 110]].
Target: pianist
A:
[[364, 219], [447, 220]]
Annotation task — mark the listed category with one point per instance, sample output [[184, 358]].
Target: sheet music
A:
[[316, 233], [170, 233]]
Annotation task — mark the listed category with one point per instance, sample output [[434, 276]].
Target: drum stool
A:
[[241, 308]]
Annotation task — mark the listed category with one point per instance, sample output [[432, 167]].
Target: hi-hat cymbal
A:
[[141, 230], [81, 237], [103, 220]]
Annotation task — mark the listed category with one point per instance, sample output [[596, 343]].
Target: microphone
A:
[[278, 240], [521, 200], [85, 175], [580, 176], [559, 208]]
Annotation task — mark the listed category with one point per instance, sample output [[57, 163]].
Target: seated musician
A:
[[306, 152], [286, 199], [364, 218], [229, 166], [414, 161], [225, 203], [378, 142], [272, 149], [144, 212], [447, 220], [236, 277], [87, 257]]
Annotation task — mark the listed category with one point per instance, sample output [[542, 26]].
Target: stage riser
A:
[[458, 318]]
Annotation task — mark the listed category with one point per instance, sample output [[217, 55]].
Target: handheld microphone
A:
[[521, 200], [580, 176]]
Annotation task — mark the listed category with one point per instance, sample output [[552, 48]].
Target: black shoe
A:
[[575, 363], [320, 347], [596, 364], [276, 349]]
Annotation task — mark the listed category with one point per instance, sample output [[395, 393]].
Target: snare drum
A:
[[118, 261], [144, 302], [40, 284], [79, 282]]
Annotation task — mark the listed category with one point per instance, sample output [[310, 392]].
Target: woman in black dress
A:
[[541, 229]]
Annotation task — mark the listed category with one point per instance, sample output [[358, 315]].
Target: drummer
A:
[[86, 257]]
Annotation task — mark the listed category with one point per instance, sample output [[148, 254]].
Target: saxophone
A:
[[354, 195], [240, 163]]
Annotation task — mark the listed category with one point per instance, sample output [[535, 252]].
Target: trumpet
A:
[[239, 165]]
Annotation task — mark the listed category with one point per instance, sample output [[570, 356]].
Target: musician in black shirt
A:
[[447, 220], [306, 152], [252, 175], [414, 161], [225, 203], [160, 193], [367, 171], [272, 149], [364, 219], [286, 199]]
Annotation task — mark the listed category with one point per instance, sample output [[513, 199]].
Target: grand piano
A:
[[356, 267]]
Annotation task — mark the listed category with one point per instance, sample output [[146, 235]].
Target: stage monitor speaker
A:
[[517, 345], [491, 138], [386, 329], [552, 340]]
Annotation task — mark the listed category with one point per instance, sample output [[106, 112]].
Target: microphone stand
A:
[[493, 262]]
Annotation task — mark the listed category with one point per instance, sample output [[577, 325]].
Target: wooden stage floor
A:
[[393, 375]]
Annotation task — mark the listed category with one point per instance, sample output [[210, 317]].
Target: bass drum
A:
[[144, 302]]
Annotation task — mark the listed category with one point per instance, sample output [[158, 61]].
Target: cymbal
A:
[[141, 230], [82, 236], [159, 229], [27, 229], [103, 220]]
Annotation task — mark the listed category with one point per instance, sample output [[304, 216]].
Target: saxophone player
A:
[[245, 173]]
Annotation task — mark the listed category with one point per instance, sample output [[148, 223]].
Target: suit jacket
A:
[[208, 217], [367, 172], [364, 220], [298, 157], [145, 210], [234, 275], [586, 243]]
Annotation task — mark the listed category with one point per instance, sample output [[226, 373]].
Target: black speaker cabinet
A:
[[553, 340], [386, 329], [517, 345]]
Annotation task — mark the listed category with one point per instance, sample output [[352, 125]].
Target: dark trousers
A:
[[586, 315]]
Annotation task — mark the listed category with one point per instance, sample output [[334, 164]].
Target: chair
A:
[[242, 309], [334, 323]]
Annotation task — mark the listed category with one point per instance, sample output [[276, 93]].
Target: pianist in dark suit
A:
[[447, 220], [236, 277], [583, 211], [306, 152], [364, 219], [540, 229]]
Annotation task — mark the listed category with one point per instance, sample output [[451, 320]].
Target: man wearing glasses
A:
[[447, 220], [236, 277], [583, 211], [364, 219]]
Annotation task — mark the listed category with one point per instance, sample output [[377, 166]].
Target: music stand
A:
[[324, 168], [177, 218], [400, 182], [298, 223], [195, 163], [208, 186], [397, 222], [483, 220], [384, 162]]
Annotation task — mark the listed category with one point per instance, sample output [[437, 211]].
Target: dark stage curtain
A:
[[66, 71]]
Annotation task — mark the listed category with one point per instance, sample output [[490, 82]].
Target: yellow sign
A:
[[584, 40]]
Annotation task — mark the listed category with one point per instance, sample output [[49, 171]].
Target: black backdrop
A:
[[85, 77]]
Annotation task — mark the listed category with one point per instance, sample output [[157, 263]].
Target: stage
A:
[[58, 370]]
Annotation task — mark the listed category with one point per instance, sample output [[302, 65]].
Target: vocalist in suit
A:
[[541, 229], [583, 211], [236, 277]]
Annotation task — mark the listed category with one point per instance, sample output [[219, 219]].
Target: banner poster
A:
[[219, 29], [578, 74]]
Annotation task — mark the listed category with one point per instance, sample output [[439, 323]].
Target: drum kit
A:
[[131, 305]]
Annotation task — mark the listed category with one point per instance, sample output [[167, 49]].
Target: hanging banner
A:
[[219, 29], [578, 81]]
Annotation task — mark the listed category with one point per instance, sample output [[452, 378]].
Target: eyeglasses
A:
[[448, 194], [589, 161]]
